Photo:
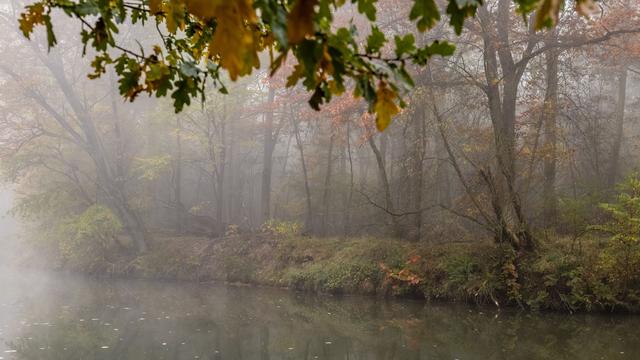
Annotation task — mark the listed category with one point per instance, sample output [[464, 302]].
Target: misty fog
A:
[[301, 179]]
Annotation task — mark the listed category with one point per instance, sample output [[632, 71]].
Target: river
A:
[[56, 316]]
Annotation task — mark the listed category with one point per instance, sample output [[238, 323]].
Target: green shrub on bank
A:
[[621, 258], [468, 277], [600, 272], [336, 277], [338, 265], [86, 240]]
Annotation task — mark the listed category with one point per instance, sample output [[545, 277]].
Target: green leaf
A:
[[309, 53], [51, 36], [367, 7], [98, 65], [317, 98], [278, 23], [365, 88], [298, 72], [185, 89], [375, 41], [459, 11], [443, 48], [405, 44], [427, 13]]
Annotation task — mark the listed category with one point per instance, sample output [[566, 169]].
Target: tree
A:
[[88, 138], [549, 122], [269, 142], [309, 209]]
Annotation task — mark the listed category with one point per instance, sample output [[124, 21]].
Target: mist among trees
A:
[[523, 140]]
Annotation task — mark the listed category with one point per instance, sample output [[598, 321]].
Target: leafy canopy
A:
[[205, 37]]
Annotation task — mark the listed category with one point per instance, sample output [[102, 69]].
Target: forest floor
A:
[[567, 275]]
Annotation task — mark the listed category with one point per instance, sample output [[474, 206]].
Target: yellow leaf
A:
[[300, 21], [175, 11], [33, 16], [204, 9], [234, 41], [326, 64], [385, 107], [157, 71], [155, 6], [335, 88]]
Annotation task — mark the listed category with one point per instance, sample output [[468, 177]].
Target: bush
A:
[[604, 274], [473, 277], [577, 213], [282, 228], [84, 239], [336, 277], [621, 258]]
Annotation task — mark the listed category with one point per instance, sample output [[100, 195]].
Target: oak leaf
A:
[[385, 106], [300, 21]]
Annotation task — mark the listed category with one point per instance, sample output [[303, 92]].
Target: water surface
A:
[[59, 316]]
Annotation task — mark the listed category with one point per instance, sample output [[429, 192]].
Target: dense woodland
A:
[[517, 139]]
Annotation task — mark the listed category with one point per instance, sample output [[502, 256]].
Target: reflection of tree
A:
[[237, 323]]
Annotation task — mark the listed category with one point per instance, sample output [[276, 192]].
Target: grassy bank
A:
[[563, 275]]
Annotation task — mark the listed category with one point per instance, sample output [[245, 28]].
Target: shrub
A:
[[282, 228], [469, 277], [336, 277], [621, 258], [84, 239]]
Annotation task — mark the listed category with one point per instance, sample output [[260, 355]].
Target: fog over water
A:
[[56, 316], [9, 227]]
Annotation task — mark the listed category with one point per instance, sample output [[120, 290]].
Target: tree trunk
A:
[[309, 215], [549, 114], [347, 210], [502, 108], [417, 170], [177, 179], [120, 143], [267, 159], [284, 195], [443, 183], [614, 164], [327, 186], [222, 160], [382, 173]]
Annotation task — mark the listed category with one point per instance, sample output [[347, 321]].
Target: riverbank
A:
[[564, 275]]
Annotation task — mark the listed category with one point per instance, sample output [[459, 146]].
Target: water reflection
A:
[[64, 317]]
